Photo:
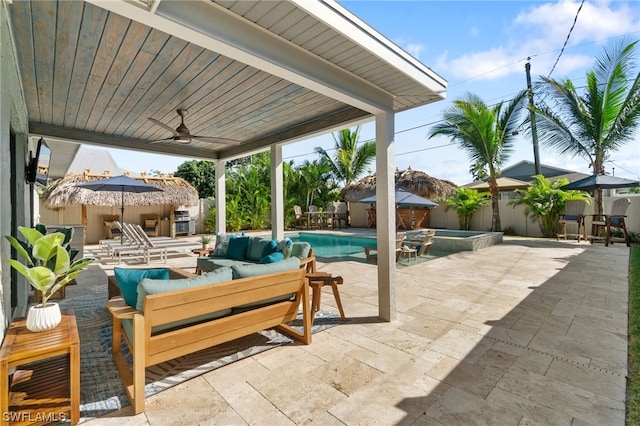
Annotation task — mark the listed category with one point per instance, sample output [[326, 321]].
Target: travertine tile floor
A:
[[527, 332]]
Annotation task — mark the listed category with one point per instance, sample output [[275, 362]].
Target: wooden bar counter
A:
[[40, 374]]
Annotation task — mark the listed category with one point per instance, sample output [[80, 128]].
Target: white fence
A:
[[510, 217]]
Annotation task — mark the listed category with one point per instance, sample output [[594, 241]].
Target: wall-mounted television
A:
[[38, 168]]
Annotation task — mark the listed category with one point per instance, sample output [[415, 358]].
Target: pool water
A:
[[350, 246], [327, 245]]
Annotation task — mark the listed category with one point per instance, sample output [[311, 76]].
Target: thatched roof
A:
[[64, 192], [413, 181]]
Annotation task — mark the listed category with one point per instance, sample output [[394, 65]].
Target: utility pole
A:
[[532, 117]]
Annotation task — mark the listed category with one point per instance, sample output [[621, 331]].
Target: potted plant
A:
[[205, 240], [48, 268]]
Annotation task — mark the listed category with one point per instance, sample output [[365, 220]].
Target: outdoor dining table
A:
[[322, 219]]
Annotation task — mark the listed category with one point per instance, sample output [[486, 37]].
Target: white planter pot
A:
[[43, 318]]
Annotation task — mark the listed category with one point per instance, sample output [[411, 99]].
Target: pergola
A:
[[264, 73]]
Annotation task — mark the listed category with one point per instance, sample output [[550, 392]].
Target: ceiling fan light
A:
[[182, 139]]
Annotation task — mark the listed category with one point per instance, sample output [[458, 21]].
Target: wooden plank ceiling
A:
[[95, 76]]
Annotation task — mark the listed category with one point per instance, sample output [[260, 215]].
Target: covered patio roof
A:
[[258, 72], [261, 73]]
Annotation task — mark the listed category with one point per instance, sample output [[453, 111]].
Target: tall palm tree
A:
[[599, 122], [485, 133], [350, 161]]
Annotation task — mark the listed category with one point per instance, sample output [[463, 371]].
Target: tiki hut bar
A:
[[409, 217], [64, 203]]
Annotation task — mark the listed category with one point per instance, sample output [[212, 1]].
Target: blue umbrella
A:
[[405, 199], [601, 182], [120, 184]]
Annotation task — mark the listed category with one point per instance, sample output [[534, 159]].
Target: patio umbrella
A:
[[405, 199], [120, 184], [601, 182], [598, 182]]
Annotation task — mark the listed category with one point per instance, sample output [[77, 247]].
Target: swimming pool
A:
[[445, 241], [329, 245]]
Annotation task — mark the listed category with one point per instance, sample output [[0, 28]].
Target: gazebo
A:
[[414, 181], [64, 193]]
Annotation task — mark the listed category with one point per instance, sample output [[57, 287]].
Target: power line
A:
[[575, 19]]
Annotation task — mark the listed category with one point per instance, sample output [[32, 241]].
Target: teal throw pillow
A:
[[128, 280], [238, 248], [273, 257], [269, 248]]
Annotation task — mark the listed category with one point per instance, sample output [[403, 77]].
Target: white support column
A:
[[277, 193], [386, 215], [221, 191]]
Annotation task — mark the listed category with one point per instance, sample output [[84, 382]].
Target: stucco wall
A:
[[13, 115]]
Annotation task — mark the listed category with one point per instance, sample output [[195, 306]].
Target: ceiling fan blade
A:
[[164, 126], [222, 141], [174, 140]]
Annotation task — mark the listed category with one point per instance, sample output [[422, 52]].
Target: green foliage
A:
[[210, 220], [465, 202], [599, 122], [544, 202], [249, 193], [634, 237], [48, 259], [633, 380], [349, 161], [487, 134], [200, 174]]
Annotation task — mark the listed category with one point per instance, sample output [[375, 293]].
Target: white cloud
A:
[[540, 32], [414, 49]]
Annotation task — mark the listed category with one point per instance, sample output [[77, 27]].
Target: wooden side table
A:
[[317, 280], [45, 386]]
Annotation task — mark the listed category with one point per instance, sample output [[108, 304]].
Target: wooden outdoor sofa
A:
[[179, 322]]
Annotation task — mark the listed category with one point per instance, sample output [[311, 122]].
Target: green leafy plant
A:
[[204, 240], [465, 202], [544, 202], [49, 259]]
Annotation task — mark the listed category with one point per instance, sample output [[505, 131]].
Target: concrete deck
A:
[[527, 332]]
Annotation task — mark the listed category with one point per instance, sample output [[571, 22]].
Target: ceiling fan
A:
[[182, 135]]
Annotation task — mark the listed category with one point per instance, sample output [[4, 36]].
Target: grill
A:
[[181, 219]]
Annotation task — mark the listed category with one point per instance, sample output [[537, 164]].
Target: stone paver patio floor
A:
[[530, 331]]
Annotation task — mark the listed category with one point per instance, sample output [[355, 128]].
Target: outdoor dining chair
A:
[[300, 218], [573, 214], [615, 219]]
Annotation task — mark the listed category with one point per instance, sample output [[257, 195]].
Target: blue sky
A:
[[479, 47]]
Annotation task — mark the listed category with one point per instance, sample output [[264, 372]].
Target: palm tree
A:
[[485, 133], [350, 161], [599, 122]]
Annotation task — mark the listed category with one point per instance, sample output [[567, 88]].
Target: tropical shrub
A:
[[544, 202], [465, 202]]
